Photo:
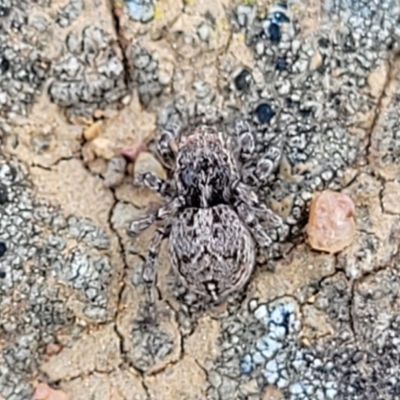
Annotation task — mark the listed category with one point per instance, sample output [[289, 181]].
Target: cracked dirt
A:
[[84, 81]]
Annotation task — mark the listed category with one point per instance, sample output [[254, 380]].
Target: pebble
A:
[[92, 131], [146, 162], [331, 225], [52, 349], [45, 392], [102, 148], [115, 172]]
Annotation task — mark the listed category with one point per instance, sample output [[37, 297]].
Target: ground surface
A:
[[82, 79]]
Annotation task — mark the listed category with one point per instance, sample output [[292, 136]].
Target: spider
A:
[[212, 219]]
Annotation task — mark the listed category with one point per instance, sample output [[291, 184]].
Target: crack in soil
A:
[[123, 44]]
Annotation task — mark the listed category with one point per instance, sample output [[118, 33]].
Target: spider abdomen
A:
[[211, 250]]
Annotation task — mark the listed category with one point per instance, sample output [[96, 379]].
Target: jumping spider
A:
[[211, 217]]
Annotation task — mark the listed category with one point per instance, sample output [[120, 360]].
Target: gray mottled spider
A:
[[211, 217]]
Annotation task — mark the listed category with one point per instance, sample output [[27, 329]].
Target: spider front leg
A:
[[149, 271], [246, 143], [153, 182], [259, 152]]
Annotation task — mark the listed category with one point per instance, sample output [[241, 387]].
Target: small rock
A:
[[331, 225], [87, 154], [92, 131], [45, 392], [102, 148], [52, 349], [98, 114], [145, 162], [115, 172]]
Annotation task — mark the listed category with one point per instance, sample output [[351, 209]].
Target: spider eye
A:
[[189, 177]]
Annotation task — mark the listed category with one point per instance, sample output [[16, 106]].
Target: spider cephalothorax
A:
[[212, 219], [204, 170]]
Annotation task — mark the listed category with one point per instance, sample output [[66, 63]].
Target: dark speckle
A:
[[2, 274], [264, 113], [281, 64], [4, 65], [3, 195], [323, 43], [4, 11], [280, 18], [274, 32], [3, 249], [242, 80]]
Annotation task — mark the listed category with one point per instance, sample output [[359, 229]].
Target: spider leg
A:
[[268, 162], [149, 271], [161, 214], [252, 211], [153, 182], [245, 141], [165, 145], [257, 164], [248, 217]]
